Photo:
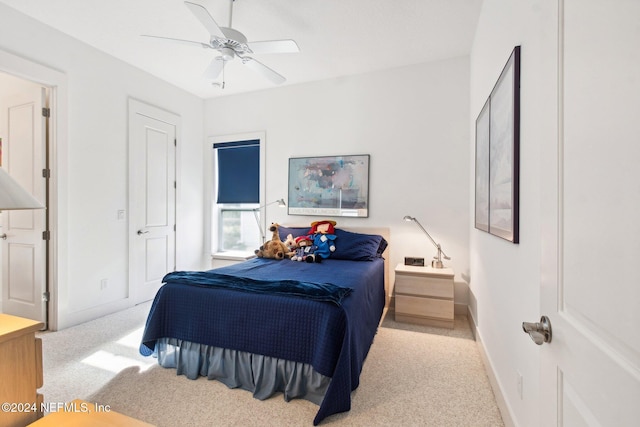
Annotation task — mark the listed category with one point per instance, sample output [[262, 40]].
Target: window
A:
[[236, 193], [238, 229]]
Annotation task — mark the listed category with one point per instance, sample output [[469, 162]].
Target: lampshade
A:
[[13, 196], [281, 203]]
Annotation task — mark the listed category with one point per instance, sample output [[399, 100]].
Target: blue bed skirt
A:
[[261, 375]]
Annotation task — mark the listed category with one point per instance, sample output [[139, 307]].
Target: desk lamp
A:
[[437, 260]]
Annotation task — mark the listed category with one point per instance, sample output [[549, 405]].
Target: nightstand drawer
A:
[[424, 286], [424, 307]]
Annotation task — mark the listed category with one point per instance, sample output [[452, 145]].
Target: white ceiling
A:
[[336, 37]]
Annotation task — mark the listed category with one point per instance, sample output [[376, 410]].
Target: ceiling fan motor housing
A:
[[235, 42]]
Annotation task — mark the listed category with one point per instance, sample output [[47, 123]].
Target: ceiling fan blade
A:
[[189, 42], [274, 46], [260, 68], [215, 67], [206, 19]]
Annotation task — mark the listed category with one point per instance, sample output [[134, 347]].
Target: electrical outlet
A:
[[519, 384], [104, 283], [121, 215]]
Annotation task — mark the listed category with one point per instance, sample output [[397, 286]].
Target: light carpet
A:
[[413, 376]]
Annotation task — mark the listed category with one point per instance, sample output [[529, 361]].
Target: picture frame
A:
[[497, 175], [482, 169], [329, 186]]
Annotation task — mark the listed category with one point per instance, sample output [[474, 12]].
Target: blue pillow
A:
[[294, 231], [357, 246]]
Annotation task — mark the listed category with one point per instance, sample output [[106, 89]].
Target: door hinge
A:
[[175, 142], [46, 173], [175, 184], [174, 227], [46, 235], [45, 296], [46, 112]]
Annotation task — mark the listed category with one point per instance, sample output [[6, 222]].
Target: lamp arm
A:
[[280, 203], [437, 245], [255, 214], [265, 205]]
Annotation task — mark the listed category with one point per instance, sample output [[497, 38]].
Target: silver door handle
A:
[[3, 236], [140, 232], [540, 332]]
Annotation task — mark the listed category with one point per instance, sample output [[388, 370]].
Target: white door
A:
[[23, 247], [590, 371], [152, 191]]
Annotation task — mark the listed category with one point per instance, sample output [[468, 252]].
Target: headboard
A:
[[382, 231]]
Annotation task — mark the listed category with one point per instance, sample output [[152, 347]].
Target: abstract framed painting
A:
[[329, 186]]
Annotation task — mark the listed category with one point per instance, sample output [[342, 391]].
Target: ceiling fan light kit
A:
[[231, 43], [227, 54]]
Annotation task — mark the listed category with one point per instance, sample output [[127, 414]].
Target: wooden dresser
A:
[[20, 371], [424, 295], [79, 413]]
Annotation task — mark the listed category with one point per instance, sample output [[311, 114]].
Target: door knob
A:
[[540, 332], [3, 236], [140, 232]]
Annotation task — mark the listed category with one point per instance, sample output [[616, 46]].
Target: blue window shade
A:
[[238, 171]]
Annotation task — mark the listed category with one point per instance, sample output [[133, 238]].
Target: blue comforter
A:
[[333, 338]]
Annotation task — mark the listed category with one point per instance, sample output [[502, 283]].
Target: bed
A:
[[296, 328]]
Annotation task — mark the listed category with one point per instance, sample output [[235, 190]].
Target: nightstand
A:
[[424, 295]]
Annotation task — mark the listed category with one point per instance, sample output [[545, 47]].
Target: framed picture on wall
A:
[[498, 156], [482, 169], [329, 186]]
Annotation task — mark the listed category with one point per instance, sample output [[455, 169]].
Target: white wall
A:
[[92, 165], [505, 277], [413, 123]]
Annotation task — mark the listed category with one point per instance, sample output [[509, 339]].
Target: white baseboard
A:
[[497, 392], [82, 316]]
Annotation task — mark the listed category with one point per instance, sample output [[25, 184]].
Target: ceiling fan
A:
[[232, 43]]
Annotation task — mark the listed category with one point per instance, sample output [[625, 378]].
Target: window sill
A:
[[233, 255]]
